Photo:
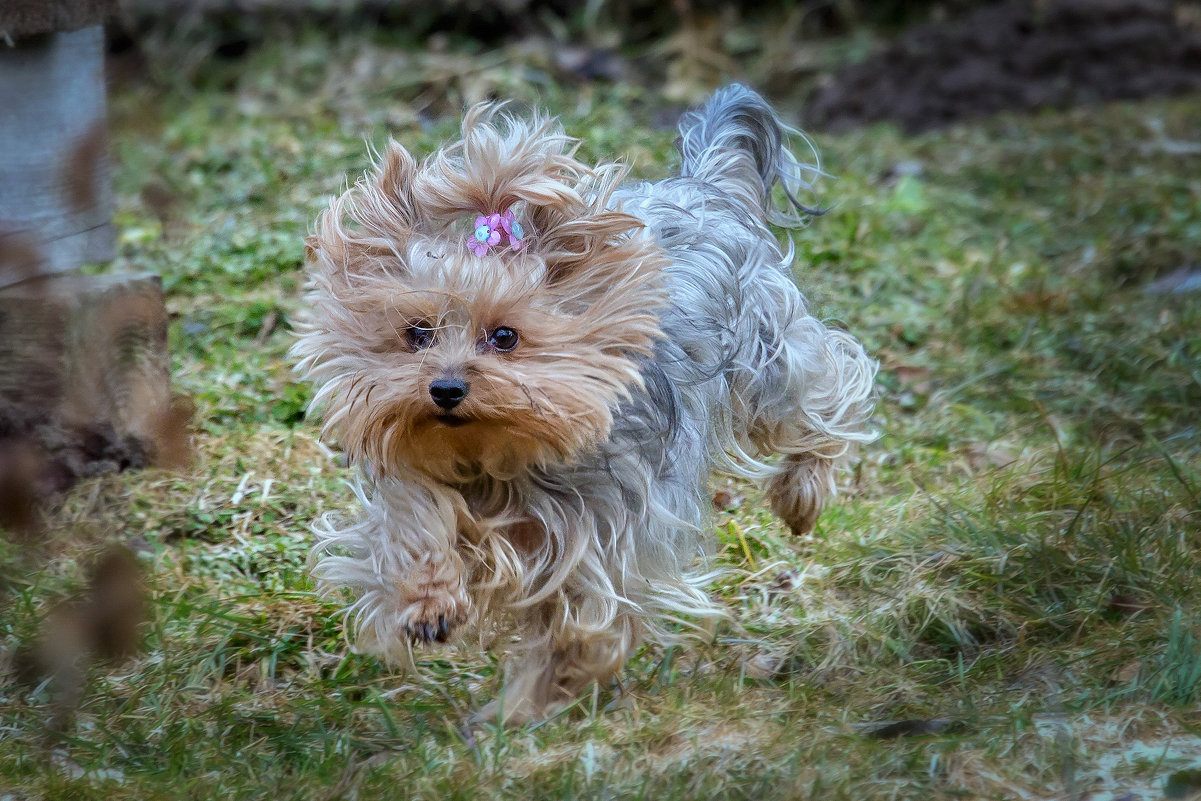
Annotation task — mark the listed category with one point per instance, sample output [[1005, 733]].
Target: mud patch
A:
[[1018, 55]]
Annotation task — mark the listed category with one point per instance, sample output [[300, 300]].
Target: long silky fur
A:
[[700, 350]]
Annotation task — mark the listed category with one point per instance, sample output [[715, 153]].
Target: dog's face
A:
[[431, 358]]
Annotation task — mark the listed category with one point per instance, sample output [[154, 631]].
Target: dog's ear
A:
[[394, 186], [365, 231], [381, 204]]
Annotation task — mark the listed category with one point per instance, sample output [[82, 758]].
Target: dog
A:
[[536, 365]]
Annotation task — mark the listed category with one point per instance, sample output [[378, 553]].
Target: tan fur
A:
[[391, 252]]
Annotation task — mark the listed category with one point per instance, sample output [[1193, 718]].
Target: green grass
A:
[[1040, 461]]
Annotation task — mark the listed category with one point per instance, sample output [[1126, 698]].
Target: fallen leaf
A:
[[1127, 603], [116, 604], [981, 456], [913, 727], [21, 466], [724, 500], [172, 434], [1127, 672], [916, 379], [763, 666], [784, 582]]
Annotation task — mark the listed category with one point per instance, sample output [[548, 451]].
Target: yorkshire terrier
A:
[[536, 367]]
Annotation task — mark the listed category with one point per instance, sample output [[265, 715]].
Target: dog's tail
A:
[[737, 142]]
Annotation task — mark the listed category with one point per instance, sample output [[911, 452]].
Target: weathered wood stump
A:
[[84, 372]]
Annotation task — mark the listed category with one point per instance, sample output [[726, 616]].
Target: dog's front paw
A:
[[434, 602], [431, 619]]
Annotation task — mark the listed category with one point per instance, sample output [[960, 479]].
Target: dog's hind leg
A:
[[544, 674], [799, 490], [810, 400]]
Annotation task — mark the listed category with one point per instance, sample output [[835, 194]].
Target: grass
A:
[[1016, 554]]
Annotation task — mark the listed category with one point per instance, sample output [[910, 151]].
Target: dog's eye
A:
[[419, 338], [503, 338]]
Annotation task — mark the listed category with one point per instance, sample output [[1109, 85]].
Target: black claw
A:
[[429, 632]]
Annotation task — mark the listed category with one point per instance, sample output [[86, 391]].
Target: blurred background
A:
[[846, 62]]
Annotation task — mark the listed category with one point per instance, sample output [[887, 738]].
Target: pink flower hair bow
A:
[[490, 229]]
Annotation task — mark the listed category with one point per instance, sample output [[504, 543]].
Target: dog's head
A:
[[482, 311]]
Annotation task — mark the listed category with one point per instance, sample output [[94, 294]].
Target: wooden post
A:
[[55, 195], [86, 355]]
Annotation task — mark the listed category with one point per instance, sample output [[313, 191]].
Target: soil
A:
[[1018, 55]]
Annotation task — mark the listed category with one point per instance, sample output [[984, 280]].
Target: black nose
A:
[[447, 392]]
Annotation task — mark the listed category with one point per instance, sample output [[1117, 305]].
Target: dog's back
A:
[[751, 371]]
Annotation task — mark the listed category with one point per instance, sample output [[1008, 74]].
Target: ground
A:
[[1010, 568], [1019, 54]]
